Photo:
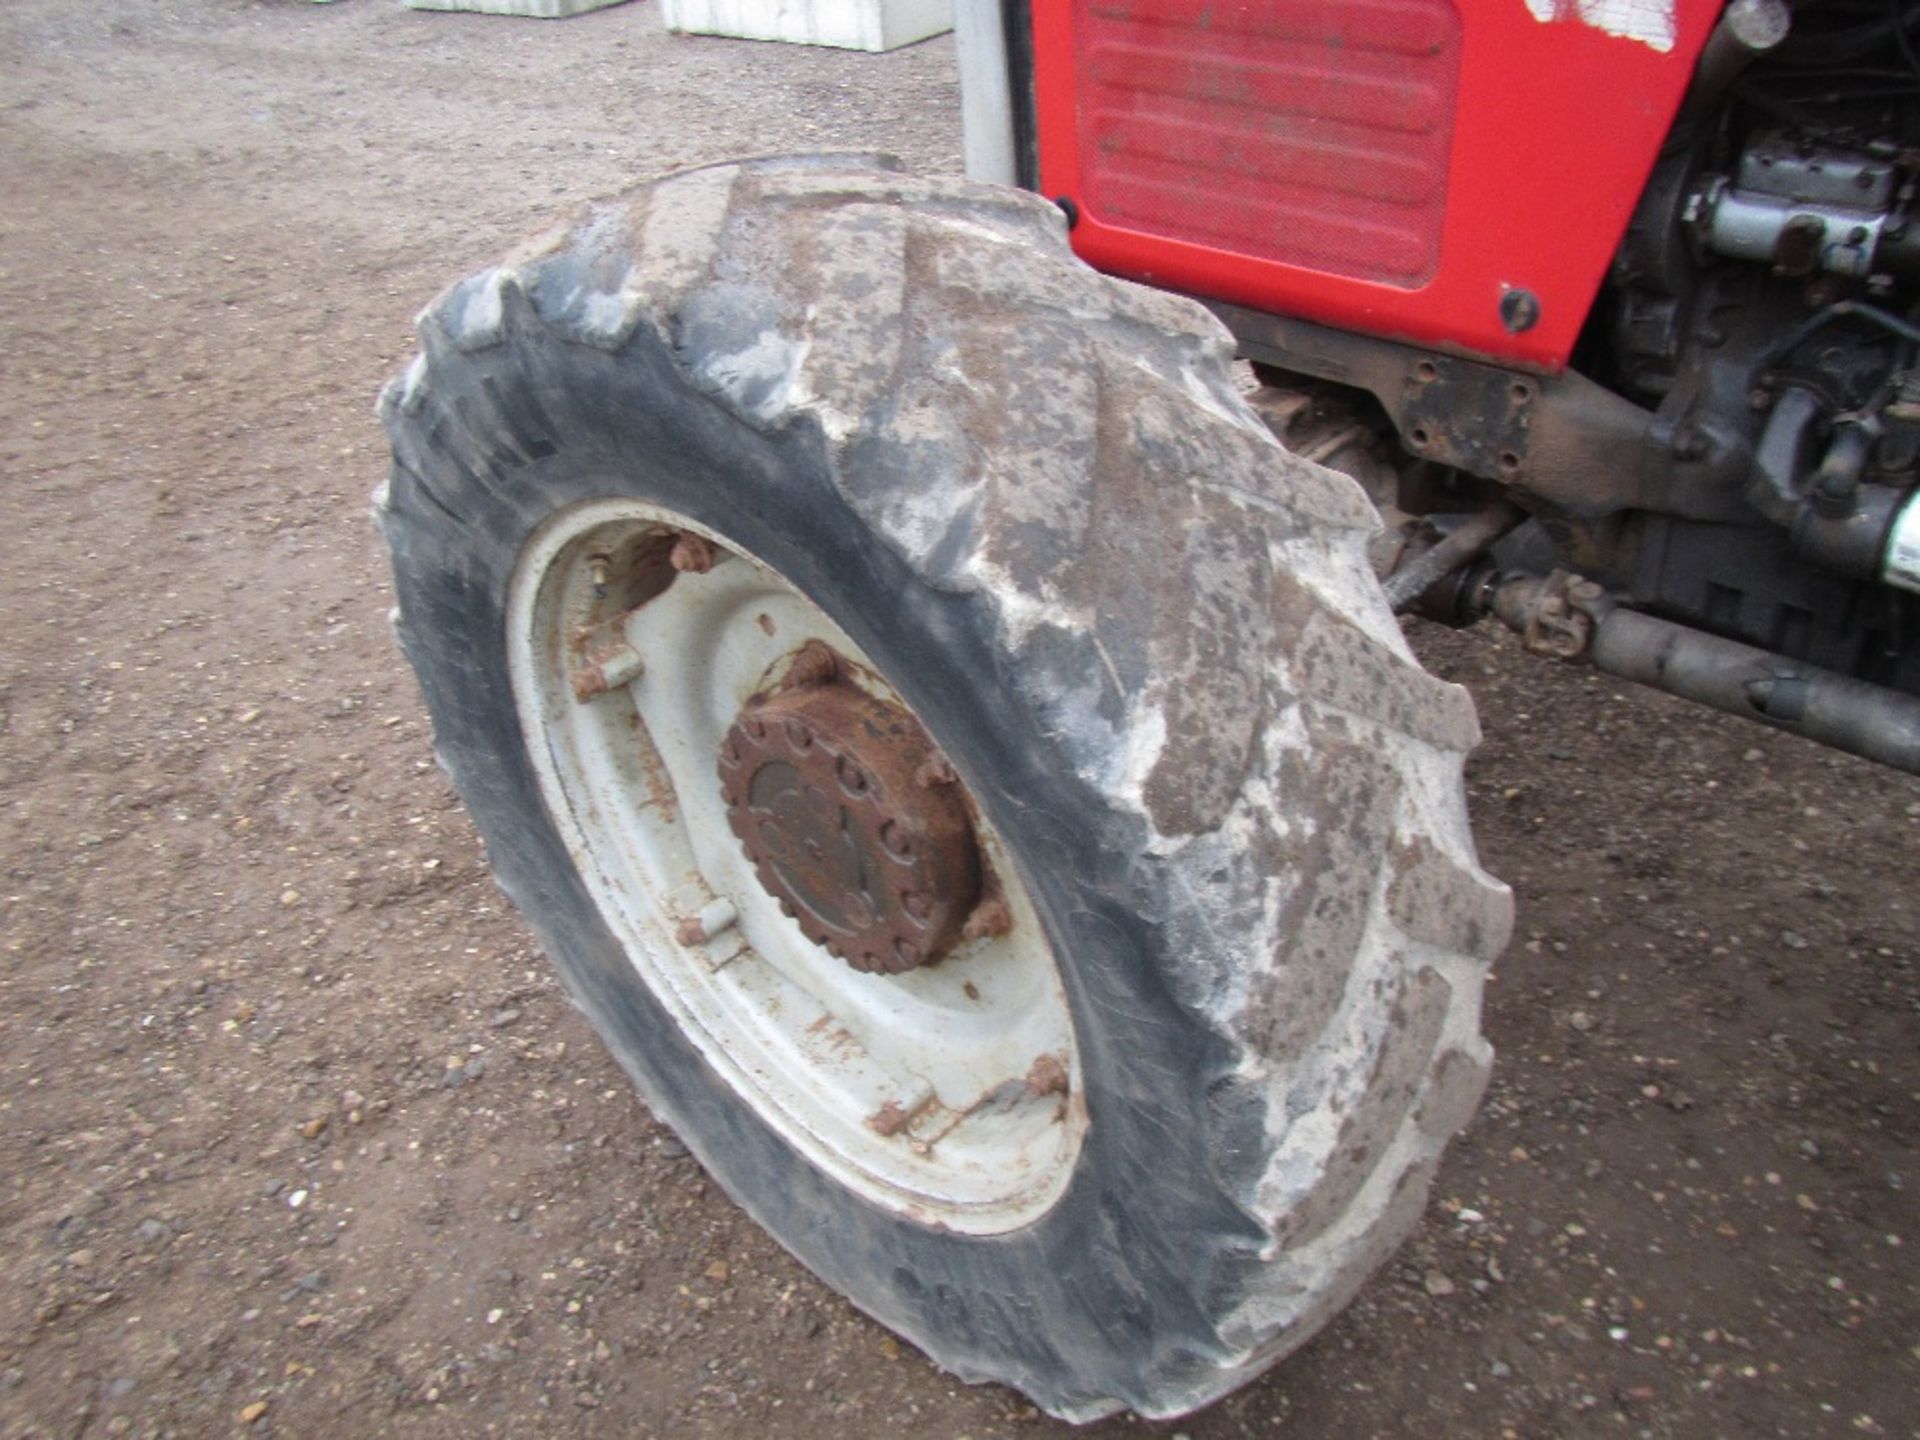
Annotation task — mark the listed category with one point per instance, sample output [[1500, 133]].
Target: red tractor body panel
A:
[[1389, 166]]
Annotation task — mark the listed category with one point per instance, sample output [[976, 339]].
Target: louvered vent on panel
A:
[[1310, 132]]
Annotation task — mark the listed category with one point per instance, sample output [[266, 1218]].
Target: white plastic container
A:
[[540, 9], [848, 24]]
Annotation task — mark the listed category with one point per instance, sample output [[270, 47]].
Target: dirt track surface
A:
[[297, 1136]]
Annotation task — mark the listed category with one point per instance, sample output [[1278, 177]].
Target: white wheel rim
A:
[[920, 1092]]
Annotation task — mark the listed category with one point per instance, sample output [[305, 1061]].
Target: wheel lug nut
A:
[[989, 918], [815, 664], [619, 667], [714, 918], [693, 554]]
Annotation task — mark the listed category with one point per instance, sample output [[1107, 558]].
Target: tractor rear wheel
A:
[[961, 765]]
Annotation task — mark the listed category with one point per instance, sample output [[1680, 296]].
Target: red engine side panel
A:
[[1390, 166]]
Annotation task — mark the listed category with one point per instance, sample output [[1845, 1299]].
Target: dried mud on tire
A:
[[1234, 793]]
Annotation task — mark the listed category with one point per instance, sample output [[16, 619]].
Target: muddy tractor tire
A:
[[959, 762]]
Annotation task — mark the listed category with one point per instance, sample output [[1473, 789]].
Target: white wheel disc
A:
[[950, 1092]]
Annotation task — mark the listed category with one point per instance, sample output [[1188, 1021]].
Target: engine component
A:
[[1467, 542], [1834, 518], [1553, 616], [1802, 209], [1902, 564], [1747, 583], [1851, 715], [1747, 30], [1569, 618]]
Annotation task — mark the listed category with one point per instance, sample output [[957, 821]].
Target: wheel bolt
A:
[[622, 666], [714, 918], [693, 554], [989, 918]]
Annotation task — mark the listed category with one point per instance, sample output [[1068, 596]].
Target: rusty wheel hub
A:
[[853, 821]]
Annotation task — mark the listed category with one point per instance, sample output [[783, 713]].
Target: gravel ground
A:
[[297, 1135]]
